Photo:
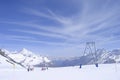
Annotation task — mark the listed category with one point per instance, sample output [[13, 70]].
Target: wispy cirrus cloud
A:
[[47, 34], [49, 15], [31, 40]]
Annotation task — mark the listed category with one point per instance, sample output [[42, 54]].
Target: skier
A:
[[28, 69], [96, 64], [80, 65]]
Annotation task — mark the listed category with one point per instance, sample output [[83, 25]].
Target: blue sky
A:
[[59, 27]]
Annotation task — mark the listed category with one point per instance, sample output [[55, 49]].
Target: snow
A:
[[25, 52], [17, 57], [87, 72], [6, 51], [9, 71], [46, 59], [6, 65], [26, 57]]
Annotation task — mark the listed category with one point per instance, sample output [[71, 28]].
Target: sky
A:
[[59, 27]]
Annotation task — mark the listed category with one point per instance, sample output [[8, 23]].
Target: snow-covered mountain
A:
[[108, 56], [6, 51], [4, 63], [26, 57], [103, 57]]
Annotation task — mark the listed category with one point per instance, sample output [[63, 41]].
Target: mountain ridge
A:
[[25, 57], [103, 57]]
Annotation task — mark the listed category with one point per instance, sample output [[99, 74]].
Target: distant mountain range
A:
[[103, 57], [26, 57]]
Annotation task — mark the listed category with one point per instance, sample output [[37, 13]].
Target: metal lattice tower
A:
[[90, 49]]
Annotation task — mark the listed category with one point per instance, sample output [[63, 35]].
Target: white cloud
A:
[[47, 34], [49, 15]]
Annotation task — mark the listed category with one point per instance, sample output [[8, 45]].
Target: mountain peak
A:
[[6, 51], [24, 49], [26, 52]]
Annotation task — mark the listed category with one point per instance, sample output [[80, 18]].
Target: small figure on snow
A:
[[80, 65], [30, 68], [96, 64]]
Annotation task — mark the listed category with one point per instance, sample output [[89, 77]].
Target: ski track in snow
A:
[[87, 72]]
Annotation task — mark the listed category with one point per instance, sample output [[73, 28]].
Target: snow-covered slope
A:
[[6, 64], [87, 72], [6, 51], [108, 56], [26, 57]]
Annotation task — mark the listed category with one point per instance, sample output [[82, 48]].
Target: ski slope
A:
[[88, 72], [5, 64]]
